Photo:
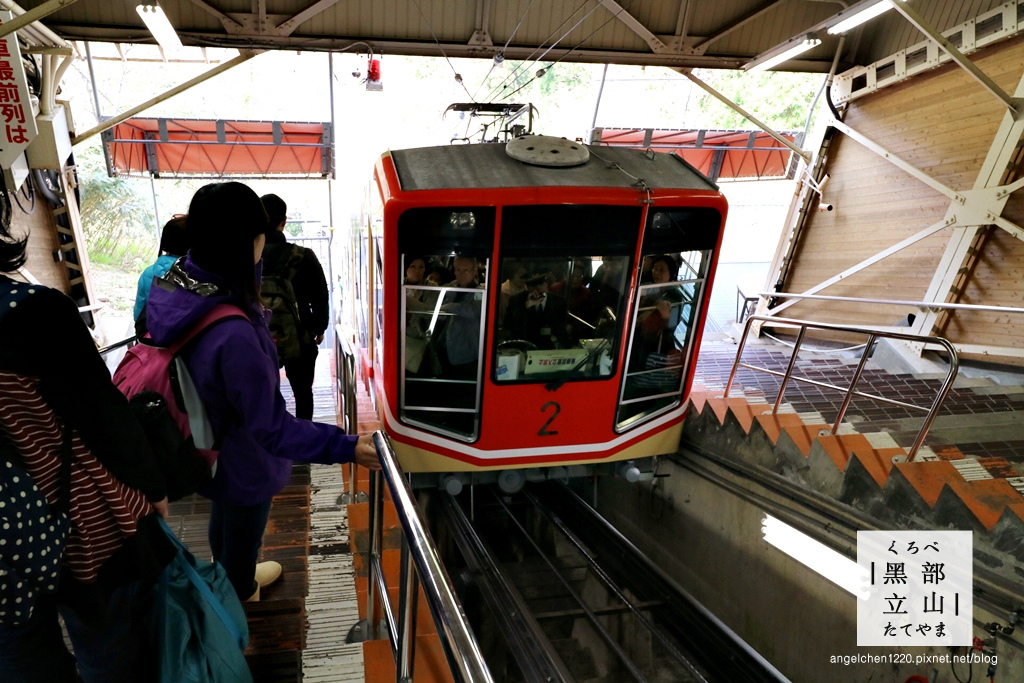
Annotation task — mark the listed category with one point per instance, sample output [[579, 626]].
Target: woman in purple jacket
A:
[[234, 367]]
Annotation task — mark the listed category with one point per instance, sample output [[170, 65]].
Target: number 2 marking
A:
[[544, 430]]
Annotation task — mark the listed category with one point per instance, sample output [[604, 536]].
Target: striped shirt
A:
[[104, 512]]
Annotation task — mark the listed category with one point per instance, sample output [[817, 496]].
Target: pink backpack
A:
[[164, 399]]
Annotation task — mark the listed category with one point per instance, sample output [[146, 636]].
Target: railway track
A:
[[556, 594]]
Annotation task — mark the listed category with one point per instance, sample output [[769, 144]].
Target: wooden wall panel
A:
[[943, 123], [998, 280], [42, 241]]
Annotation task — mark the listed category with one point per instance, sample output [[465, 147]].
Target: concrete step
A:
[[985, 495]]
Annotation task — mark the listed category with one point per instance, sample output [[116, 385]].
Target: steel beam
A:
[[917, 237], [923, 305], [634, 25], [984, 350], [992, 171], [34, 14], [898, 162], [683, 19], [287, 27], [243, 56], [745, 114], [977, 74], [738, 22], [230, 25]]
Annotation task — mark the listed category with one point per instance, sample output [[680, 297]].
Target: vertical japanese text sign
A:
[[16, 117], [920, 588]]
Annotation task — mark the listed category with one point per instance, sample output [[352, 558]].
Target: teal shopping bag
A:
[[197, 622]]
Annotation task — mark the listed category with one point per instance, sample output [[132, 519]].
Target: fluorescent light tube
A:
[[859, 18], [799, 48], [834, 566], [156, 21]]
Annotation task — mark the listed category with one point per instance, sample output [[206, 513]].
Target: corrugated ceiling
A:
[[680, 33]]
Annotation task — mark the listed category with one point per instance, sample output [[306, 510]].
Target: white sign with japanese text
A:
[[17, 121], [920, 588]]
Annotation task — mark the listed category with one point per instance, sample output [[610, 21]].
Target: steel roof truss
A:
[[992, 172], [913, 239], [243, 56], [736, 23], [977, 74], [286, 28], [634, 25], [34, 14], [745, 114], [927, 55], [230, 25], [483, 19]]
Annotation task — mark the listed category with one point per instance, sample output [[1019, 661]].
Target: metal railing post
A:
[[422, 564], [373, 556], [954, 368], [407, 616], [853, 384], [789, 368], [873, 335], [739, 353]]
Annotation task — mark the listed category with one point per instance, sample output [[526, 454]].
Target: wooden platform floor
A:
[[279, 622]]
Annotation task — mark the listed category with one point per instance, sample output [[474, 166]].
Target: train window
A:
[[443, 308], [563, 270], [677, 248]]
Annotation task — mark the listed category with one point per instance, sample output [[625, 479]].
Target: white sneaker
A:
[[267, 573]]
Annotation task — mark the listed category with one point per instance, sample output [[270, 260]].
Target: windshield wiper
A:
[[556, 384]]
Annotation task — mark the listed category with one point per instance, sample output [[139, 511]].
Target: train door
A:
[[677, 253], [445, 260]]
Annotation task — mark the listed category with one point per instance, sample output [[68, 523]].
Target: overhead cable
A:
[[458, 76], [541, 72], [522, 65]]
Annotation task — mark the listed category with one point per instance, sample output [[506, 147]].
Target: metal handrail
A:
[[130, 341], [934, 305], [873, 335], [345, 369], [420, 563]]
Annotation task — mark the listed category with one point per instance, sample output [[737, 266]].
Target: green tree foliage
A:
[[779, 99], [117, 217]]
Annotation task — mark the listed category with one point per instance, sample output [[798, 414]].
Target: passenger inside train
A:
[[538, 316], [443, 340]]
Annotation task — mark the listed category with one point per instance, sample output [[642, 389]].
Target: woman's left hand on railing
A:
[[366, 453]]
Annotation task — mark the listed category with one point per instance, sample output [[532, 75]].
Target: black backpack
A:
[[281, 264]]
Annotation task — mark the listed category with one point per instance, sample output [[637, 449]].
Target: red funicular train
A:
[[533, 305]]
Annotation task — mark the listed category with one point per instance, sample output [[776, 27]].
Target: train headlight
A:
[[462, 220]]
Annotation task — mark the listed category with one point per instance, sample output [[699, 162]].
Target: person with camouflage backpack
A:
[[295, 291]]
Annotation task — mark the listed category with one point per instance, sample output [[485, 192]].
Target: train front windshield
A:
[[564, 272]]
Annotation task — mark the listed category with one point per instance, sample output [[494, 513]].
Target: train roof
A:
[[487, 166]]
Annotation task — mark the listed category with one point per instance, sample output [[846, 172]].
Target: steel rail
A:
[[527, 642], [873, 335], [591, 617], [611, 585], [460, 647], [718, 647]]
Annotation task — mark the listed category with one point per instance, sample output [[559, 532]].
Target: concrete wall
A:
[[710, 542]]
